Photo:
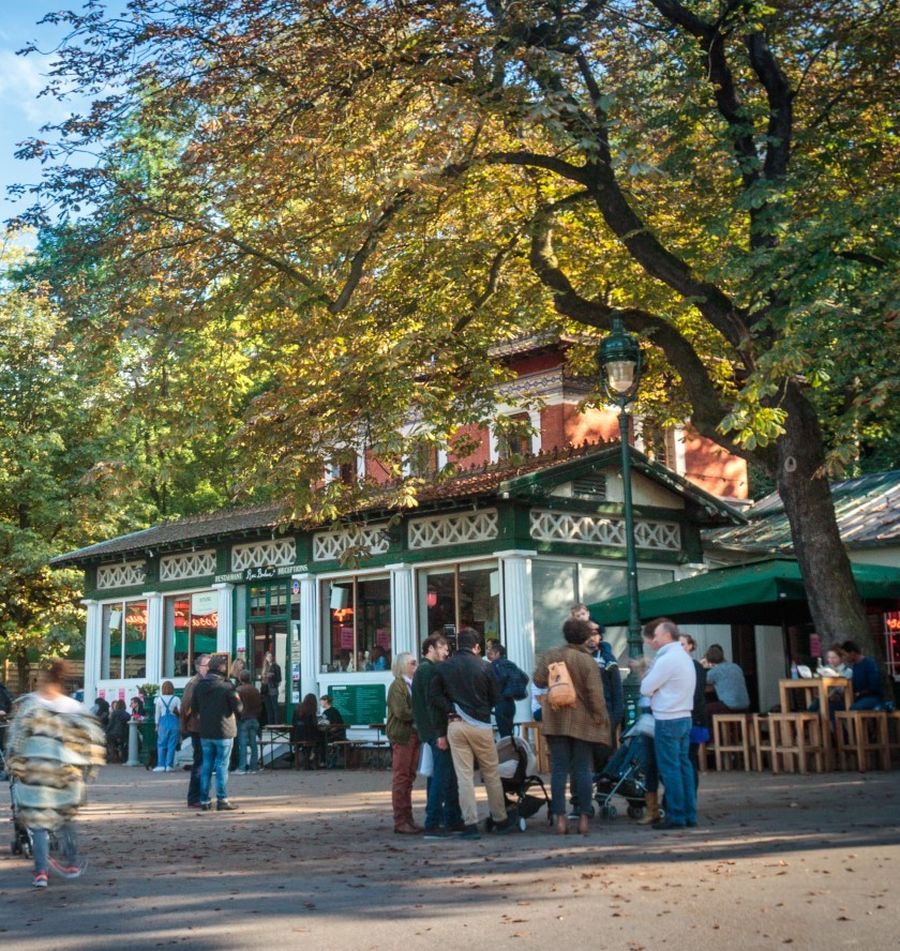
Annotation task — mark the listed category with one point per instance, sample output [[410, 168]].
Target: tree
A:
[[389, 188]]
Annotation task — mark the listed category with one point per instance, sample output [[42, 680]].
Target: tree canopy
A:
[[384, 190]]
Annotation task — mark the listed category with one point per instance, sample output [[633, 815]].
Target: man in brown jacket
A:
[[190, 724], [571, 732]]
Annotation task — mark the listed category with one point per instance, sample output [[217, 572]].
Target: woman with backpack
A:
[[575, 718]]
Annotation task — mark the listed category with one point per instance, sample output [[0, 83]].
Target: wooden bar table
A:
[[816, 688]]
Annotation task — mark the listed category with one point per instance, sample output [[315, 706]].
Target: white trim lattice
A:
[[601, 530], [191, 564], [438, 530], [122, 575], [371, 539], [278, 551]]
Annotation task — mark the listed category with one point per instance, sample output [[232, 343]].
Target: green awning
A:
[[768, 582]]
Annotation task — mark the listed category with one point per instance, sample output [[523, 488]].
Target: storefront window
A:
[[191, 624], [124, 652], [455, 596], [356, 624]]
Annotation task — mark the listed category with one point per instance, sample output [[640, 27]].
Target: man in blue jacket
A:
[[867, 689]]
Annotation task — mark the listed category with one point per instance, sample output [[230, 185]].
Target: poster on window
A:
[[206, 602], [383, 638]]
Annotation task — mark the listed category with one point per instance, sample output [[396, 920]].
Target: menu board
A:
[[359, 704]]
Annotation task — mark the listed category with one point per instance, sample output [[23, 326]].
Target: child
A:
[[168, 728]]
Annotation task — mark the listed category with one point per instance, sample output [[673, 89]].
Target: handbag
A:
[[426, 761], [560, 689]]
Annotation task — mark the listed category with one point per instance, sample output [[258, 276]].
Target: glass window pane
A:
[[204, 624], [479, 599], [258, 602], [111, 652], [373, 626], [553, 587], [437, 602], [136, 639], [338, 645]]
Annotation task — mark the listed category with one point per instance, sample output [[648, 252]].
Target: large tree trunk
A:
[[834, 603]]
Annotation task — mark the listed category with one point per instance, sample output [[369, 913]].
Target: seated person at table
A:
[[333, 717], [866, 678], [726, 681], [305, 729], [379, 659], [835, 667]]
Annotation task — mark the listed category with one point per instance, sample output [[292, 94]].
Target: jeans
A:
[[167, 740], [215, 760], [576, 757], [248, 732], [68, 845], [671, 742], [442, 803], [193, 793], [505, 715], [468, 743], [867, 703]]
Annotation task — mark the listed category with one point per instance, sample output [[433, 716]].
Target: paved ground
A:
[[311, 861]]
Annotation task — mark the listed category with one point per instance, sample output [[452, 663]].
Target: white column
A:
[[225, 629], [93, 644], [518, 615], [403, 609], [310, 651], [534, 419], [154, 645]]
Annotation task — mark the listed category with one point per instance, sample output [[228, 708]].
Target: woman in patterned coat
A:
[[54, 747]]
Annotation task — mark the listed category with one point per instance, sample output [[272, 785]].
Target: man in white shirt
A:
[[670, 686]]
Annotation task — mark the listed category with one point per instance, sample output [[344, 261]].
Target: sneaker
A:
[[225, 805], [206, 806], [240, 772], [40, 880], [68, 871], [159, 769], [505, 827], [437, 832], [470, 832], [195, 805]]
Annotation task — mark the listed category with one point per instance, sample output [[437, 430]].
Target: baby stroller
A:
[[22, 842], [518, 775], [623, 775]]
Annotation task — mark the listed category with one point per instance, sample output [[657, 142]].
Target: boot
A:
[[652, 813]]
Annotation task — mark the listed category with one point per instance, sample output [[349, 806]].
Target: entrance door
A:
[[268, 618]]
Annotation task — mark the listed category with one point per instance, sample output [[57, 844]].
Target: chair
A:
[[862, 735], [531, 733], [731, 739], [795, 739], [762, 742]]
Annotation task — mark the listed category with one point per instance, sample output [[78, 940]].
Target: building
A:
[[506, 547]]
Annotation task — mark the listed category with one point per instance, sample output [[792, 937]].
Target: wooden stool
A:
[[892, 720], [762, 741], [531, 734], [862, 734], [731, 738], [793, 739]]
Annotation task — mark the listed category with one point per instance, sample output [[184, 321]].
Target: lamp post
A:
[[619, 360]]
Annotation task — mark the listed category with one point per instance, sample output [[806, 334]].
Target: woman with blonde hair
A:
[[404, 743], [54, 747]]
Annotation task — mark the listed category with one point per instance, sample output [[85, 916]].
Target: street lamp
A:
[[619, 360]]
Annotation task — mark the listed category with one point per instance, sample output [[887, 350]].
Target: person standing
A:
[[699, 729], [270, 683], [190, 725], [54, 747], [670, 684], [217, 703], [572, 732], [401, 732], [463, 691], [248, 724], [168, 727], [442, 813], [513, 686]]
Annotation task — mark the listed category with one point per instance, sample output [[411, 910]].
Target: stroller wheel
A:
[[609, 812], [635, 812], [523, 825]]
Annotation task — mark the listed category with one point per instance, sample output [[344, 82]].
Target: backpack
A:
[[560, 689], [514, 682]]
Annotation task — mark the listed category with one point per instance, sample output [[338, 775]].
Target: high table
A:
[[816, 688]]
